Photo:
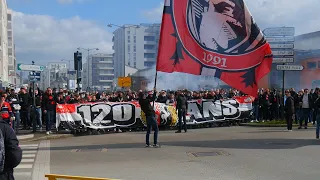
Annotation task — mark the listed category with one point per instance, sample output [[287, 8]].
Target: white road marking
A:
[[28, 155], [29, 145], [29, 152], [22, 174], [27, 160], [42, 163], [28, 148], [24, 166]]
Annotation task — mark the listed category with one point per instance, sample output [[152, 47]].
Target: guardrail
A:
[[56, 177]]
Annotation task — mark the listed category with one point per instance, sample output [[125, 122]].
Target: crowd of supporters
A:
[[270, 105], [267, 106]]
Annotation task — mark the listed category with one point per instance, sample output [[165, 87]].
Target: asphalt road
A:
[[235, 153]]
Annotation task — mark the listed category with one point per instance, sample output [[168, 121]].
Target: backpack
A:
[[2, 152]]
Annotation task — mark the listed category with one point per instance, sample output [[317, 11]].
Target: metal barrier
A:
[[56, 177]]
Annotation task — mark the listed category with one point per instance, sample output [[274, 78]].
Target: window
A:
[[135, 64], [318, 64], [149, 38], [10, 51], [134, 39], [134, 48], [129, 56], [129, 48], [128, 32], [9, 33], [148, 64], [311, 65], [128, 40], [149, 55], [9, 17], [147, 46]]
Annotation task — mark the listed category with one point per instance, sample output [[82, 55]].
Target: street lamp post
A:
[[88, 50], [64, 60], [124, 42]]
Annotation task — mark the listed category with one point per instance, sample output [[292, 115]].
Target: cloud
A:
[[44, 39], [154, 14], [70, 1], [303, 15]]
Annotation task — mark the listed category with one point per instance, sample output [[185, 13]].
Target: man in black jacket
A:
[[182, 107], [289, 109], [24, 100], [49, 105], [13, 153], [148, 109]]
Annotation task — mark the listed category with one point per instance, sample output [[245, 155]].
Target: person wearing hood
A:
[[182, 107], [148, 109]]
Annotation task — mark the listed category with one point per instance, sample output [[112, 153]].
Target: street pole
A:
[[283, 77], [88, 69], [34, 123]]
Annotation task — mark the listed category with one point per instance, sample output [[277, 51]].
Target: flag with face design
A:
[[213, 38]]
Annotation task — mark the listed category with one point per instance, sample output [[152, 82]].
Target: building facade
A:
[[98, 72], [4, 70], [135, 46], [55, 75], [306, 54], [11, 51]]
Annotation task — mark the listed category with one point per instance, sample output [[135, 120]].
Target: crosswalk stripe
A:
[[24, 166], [29, 145], [17, 173], [28, 155], [29, 152], [27, 148], [27, 160]]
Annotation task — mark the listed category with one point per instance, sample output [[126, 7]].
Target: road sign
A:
[[282, 46], [280, 39], [34, 76], [283, 60], [124, 81], [283, 53], [28, 67], [279, 31], [289, 67]]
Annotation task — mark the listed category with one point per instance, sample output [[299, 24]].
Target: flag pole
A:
[[155, 86], [159, 49]]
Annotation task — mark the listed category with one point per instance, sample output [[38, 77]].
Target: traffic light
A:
[[75, 61], [78, 80], [77, 58]]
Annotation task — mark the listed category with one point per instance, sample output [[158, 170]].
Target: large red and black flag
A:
[[213, 38]]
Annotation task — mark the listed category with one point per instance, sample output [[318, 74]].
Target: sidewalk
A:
[[28, 135]]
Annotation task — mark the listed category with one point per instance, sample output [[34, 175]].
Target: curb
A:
[[49, 137], [267, 125], [28, 136]]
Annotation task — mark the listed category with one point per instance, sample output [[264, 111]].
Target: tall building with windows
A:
[[4, 70], [55, 75], [135, 46], [11, 50], [98, 72]]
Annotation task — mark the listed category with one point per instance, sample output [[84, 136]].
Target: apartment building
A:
[[135, 46], [98, 72]]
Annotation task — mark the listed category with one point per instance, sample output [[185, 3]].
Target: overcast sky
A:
[[51, 37]]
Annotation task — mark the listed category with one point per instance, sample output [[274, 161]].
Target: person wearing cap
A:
[[306, 105], [6, 110], [13, 99], [148, 109], [24, 99]]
